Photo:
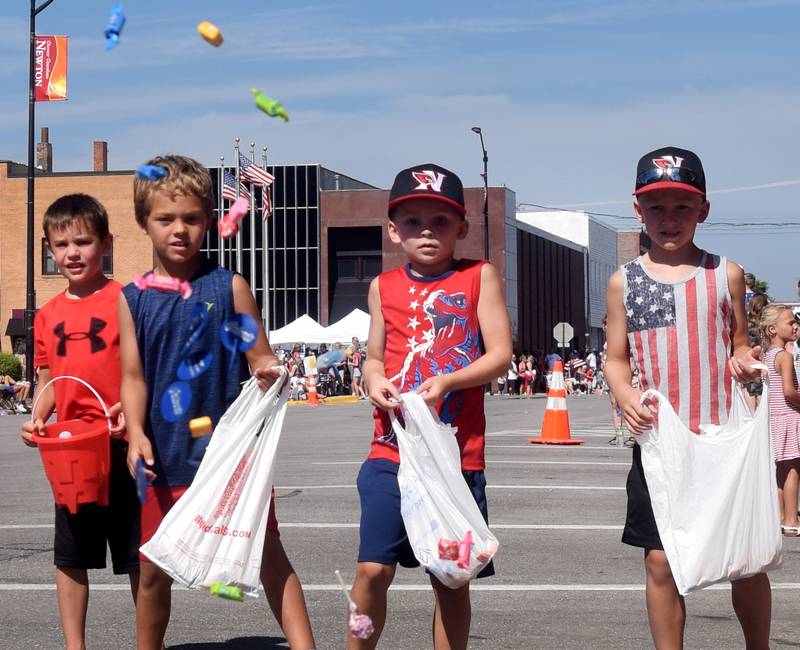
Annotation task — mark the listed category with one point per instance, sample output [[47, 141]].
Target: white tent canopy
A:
[[303, 330], [356, 323]]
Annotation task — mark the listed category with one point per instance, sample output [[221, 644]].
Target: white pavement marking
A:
[[284, 524], [492, 487], [498, 462], [779, 586]]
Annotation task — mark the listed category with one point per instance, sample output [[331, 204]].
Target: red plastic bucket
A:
[[76, 456]]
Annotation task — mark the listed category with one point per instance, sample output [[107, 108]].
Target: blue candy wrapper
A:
[[151, 172], [116, 21], [141, 481]]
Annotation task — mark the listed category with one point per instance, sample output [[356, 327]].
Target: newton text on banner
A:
[[50, 69]]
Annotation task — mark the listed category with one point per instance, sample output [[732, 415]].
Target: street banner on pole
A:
[[50, 68]]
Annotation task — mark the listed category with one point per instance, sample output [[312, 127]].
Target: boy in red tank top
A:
[[440, 327]]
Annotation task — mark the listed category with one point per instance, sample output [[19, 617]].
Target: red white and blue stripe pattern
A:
[[229, 188], [680, 338]]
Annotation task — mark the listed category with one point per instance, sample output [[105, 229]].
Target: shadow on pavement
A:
[[240, 643]]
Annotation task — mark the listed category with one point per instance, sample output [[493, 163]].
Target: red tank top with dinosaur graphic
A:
[[432, 329]]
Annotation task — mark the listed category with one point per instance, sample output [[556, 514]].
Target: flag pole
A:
[[238, 234], [220, 210], [266, 309], [252, 224]]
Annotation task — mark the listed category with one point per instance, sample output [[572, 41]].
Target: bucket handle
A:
[[78, 379]]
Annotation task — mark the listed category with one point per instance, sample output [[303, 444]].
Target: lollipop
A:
[[360, 624]]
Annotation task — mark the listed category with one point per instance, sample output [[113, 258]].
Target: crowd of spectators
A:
[[341, 377]]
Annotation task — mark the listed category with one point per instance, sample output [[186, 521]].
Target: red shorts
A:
[[160, 499]]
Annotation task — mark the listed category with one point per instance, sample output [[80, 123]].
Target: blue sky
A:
[[569, 95]]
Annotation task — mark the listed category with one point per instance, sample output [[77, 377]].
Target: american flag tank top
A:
[[680, 337]]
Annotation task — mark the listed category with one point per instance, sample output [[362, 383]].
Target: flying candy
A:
[[270, 105], [163, 283], [210, 33], [228, 226], [151, 172], [200, 427], [333, 356], [360, 624], [229, 592], [116, 21]]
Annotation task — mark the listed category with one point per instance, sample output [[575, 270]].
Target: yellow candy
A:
[[201, 427], [210, 32]]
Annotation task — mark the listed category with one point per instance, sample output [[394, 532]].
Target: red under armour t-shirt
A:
[[432, 329], [80, 337]]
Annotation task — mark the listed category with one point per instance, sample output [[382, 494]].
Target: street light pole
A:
[[30, 302], [485, 175]]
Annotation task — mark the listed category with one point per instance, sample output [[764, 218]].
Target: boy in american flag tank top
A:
[[678, 312]]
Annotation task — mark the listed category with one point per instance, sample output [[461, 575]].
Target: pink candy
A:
[[464, 549], [228, 225], [448, 549], [163, 283], [360, 626]]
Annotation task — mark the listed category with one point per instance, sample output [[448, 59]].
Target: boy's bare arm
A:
[[618, 361], [260, 357], [45, 403], [495, 328], [742, 355], [133, 391], [378, 387]]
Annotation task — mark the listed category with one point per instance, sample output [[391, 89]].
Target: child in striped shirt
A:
[[678, 311]]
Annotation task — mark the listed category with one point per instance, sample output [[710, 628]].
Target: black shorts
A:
[[81, 539], [640, 522], [382, 533]]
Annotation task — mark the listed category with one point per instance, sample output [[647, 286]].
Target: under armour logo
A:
[[96, 325], [428, 180]]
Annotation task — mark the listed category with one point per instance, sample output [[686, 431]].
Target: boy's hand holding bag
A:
[[215, 532], [444, 524]]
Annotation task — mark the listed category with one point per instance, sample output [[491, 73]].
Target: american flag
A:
[[680, 339], [253, 173], [229, 188], [266, 202]]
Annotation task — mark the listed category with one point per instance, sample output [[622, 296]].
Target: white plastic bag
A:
[[215, 532], [713, 494], [435, 500]]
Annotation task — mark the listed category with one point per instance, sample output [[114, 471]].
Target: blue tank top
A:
[[188, 371]]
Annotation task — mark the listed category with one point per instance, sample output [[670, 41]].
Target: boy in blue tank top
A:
[[178, 365]]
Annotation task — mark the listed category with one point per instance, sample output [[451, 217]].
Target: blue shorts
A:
[[382, 532]]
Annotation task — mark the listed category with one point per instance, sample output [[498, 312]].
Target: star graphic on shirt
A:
[[629, 313], [413, 304], [412, 289], [423, 293], [413, 323], [428, 335], [653, 309], [639, 279], [641, 321], [412, 343], [667, 295], [653, 287], [639, 300], [668, 317]]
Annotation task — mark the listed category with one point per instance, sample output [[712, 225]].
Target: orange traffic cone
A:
[[555, 428], [313, 398]]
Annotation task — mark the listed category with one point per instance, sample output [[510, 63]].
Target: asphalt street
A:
[[564, 579]]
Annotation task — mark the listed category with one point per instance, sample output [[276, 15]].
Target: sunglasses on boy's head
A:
[[674, 174]]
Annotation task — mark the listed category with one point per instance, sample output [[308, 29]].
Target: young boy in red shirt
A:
[[76, 333], [439, 326]]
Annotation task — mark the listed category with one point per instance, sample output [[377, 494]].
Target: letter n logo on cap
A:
[[665, 162], [428, 180]]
